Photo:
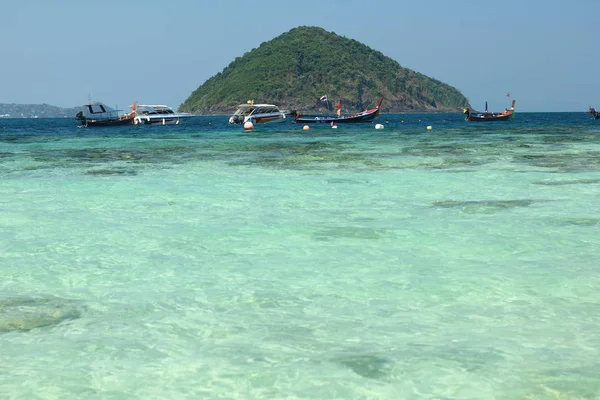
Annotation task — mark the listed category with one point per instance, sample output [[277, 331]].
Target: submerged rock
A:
[[367, 365], [26, 313]]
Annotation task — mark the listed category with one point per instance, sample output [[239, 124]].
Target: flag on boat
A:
[[323, 98]]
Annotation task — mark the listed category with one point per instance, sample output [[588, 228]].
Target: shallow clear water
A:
[[200, 261]]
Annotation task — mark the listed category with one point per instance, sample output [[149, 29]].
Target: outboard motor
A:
[[237, 119]]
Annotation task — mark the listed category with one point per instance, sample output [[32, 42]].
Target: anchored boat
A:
[[157, 114], [365, 116], [486, 116], [99, 114], [257, 114]]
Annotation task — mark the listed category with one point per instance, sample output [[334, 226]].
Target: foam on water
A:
[[210, 263]]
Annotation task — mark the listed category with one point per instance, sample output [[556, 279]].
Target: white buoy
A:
[[248, 126], [305, 127], [429, 127], [379, 126]]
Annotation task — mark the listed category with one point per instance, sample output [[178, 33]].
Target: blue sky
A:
[[60, 53]]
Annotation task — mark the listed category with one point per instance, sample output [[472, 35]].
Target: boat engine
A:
[[237, 119]]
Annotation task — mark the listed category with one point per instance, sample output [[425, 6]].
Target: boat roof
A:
[[97, 107], [256, 105], [153, 105]]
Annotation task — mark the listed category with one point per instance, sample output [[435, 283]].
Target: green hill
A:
[[296, 68]]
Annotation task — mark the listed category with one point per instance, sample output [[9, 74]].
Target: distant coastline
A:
[[13, 110]]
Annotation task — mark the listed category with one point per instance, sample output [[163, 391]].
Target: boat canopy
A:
[[153, 109], [248, 109], [99, 110]]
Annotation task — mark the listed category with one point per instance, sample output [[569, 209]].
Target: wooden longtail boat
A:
[[365, 116], [486, 116]]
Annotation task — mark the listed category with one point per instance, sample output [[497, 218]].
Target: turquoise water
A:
[[199, 261]]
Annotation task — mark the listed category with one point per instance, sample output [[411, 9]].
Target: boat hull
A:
[[488, 117], [259, 119], [106, 122], [160, 120]]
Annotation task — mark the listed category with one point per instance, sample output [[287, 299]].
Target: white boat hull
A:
[[160, 120], [260, 119]]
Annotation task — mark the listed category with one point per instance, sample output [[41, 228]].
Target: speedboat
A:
[[257, 114], [157, 114]]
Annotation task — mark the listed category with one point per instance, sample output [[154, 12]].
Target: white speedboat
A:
[[257, 114], [157, 114]]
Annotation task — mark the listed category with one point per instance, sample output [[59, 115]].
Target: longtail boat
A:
[[486, 116], [365, 116]]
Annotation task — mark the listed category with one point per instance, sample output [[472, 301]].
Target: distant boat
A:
[[157, 114], [486, 116], [99, 114], [594, 113], [365, 116], [258, 114]]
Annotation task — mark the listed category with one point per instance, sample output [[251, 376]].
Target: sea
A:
[[430, 259]]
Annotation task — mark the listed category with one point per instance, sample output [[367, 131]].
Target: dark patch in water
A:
[[450, 163], [116, 171], [171, 154], [26, 313], [367, 365], [347, 232], [483, 206], [579, 221], [352, 181], [561, 183], [563, 162]]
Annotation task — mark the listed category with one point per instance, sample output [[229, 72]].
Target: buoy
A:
[[305, 127], [429, 127], [379, 126], [248, 126]]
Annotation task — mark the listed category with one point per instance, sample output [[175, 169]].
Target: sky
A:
[[158, 52]]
